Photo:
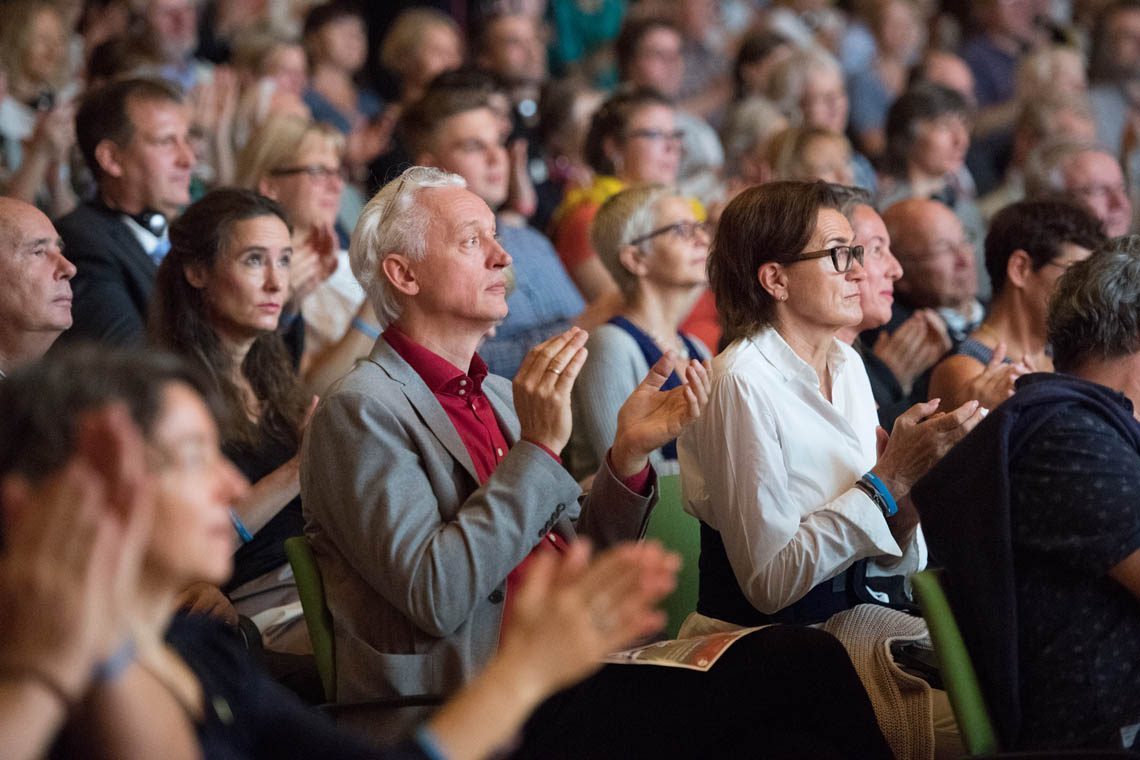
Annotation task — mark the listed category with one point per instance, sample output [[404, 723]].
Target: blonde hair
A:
[[399, 45], [275, 144], [788, 149], [253, 47], [751, 122], [624, 217], [789, 79], [15, 37]]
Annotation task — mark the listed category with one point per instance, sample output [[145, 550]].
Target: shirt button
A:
[[462, 383], [462, 392], [499, 452], [496, 597]]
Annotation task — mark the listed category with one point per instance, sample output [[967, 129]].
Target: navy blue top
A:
[[266, 551], [975, 349], [1027, 514], [367, 103], [652, 354], [249, 715]]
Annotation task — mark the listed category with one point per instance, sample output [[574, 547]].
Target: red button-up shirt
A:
[[461, 396]]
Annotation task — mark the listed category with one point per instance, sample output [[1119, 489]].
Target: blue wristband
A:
[[239, 526], [428, 744], [114, 666], [368, 330], [880, 487]]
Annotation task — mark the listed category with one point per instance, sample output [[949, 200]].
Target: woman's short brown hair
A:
[[610, 122], [765, 223]]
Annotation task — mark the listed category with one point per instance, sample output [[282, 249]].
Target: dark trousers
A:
[[781, 692]]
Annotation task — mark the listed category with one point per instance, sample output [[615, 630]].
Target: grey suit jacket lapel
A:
[[504, 410], [423, 401]]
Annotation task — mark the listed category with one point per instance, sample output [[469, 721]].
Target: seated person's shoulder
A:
[[1077, 472], [607, 337]]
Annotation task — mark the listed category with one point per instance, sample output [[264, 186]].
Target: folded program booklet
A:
[[696, 653]]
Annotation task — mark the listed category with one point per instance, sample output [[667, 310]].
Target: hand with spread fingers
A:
[[542, 388], [650, 417]]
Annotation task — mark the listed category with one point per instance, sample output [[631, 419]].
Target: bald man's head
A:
[[936, 255], [10, 211], [35, 299]]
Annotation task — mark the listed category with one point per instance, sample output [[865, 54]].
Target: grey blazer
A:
[[413, 552]]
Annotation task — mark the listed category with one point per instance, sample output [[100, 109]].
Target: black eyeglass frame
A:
[[313, 171], [675, 226], [855, 255]]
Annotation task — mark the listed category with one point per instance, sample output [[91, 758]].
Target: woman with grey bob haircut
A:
[[1094, 315], [392, 222], [653, 244]]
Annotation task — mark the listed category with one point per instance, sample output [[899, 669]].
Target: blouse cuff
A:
[[859, 510]]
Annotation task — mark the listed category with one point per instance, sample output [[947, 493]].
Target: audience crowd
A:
[[461, 299]]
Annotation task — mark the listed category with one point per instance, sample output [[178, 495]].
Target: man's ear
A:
[[610, 149], [399, 272], [633, 259], [267, 187], [774, 280], [1018, 268], [195, 274], [107, 156]]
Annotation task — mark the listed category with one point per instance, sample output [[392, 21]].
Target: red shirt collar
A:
[[440, 375]]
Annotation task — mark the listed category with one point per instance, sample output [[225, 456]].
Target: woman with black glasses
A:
[[802, 499], [655, 248]]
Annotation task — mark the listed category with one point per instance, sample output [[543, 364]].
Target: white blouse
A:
[[772, 464]]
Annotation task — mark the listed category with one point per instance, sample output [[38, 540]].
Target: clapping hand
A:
[[996, 382], [74, 546], [313, 262], [650, 417], [913, 347], [570, 612], [921, 436], [542, 388]]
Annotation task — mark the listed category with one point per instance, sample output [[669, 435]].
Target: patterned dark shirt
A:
[[1075, 513]]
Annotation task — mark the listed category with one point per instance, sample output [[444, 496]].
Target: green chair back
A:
[[318, 619], [680, 532], [958, 674]]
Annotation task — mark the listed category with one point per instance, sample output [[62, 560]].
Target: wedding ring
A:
[[555, 371]]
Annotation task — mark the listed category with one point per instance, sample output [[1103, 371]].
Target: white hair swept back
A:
[[392, 222]]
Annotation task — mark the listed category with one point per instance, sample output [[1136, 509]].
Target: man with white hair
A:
[[427, 481], [1086, 173], [429, 485]]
